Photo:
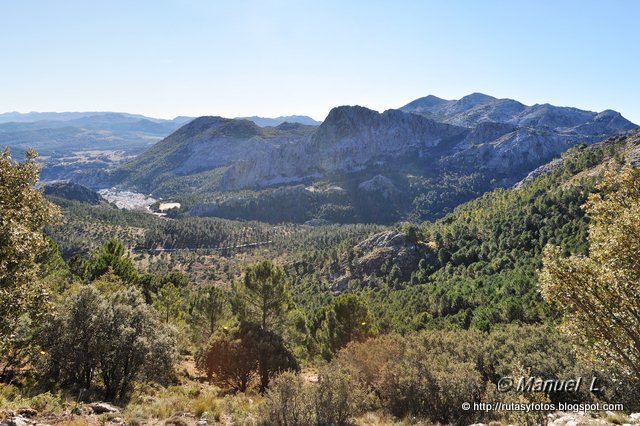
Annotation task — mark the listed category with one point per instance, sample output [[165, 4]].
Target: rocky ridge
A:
[[371, 258]]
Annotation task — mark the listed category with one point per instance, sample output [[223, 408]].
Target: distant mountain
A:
[[349, 140], [272, 122], [75, 142], [30, 117], [114, 122], [476, 132], [205, 144], [417, 162], [478, 108]]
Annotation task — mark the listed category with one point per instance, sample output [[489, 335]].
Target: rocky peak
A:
[[343, 120], [392, 127], [472, 100], [426, 105], [201, 124]]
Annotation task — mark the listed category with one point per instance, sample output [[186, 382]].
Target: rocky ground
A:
[[102, 414], [581, 418], [98, 414]]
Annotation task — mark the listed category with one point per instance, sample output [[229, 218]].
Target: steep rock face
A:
[[513, 152], [435, 152], [630, 154], [205, 144], [487, 131], [350, 139], [290, 163]]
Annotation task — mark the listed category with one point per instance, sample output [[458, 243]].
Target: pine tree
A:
[[262, 298], [168, 302]]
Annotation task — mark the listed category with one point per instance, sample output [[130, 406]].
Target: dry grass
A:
[[76, 421], [616, 418]]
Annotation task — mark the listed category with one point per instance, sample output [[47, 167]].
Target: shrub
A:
[[116, 339], [229, 362], [288, 403], [538, 348], [337, 398], [206, 403], [428, 375], [334, 400], [9, 392], [46, 402]]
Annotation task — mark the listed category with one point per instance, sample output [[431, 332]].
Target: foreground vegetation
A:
[[241, 339]]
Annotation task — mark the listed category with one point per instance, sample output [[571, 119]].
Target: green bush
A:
[[9, 392], [46, 402], [430, 384], [337, 397], [109, 342]]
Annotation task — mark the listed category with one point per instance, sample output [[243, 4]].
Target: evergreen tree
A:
[[347, 319], [262, 297], [209, 306], [112, 255], [168, 302]]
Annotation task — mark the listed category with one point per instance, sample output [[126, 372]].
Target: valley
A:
[[368, 282], [358, 166], [319, 213]]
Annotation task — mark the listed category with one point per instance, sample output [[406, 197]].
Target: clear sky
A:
[[234, 58]]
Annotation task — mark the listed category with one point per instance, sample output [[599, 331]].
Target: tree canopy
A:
[[23, 213], [599, 292]]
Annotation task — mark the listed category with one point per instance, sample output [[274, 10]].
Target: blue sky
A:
[[233, 58]]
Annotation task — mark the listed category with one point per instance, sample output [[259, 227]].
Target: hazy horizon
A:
[[284, 115], [165, 59]]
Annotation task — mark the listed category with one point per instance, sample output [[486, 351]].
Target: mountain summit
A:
[[435, 153]]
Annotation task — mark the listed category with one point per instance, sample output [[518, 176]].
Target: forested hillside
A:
[[475, 267], [325, 323], [480, 263]]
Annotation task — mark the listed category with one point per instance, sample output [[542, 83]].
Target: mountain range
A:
[[70, 143], [74, 142], [415, 162]]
